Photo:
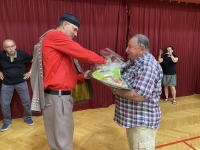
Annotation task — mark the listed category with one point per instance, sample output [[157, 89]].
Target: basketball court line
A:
[[189, 145], [181, 141]]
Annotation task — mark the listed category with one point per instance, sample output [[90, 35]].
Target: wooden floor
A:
[[96, 130]]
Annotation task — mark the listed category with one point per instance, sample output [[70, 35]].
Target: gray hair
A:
[[61, 22], [142, 40]]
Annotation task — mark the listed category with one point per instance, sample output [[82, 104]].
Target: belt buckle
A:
[[59, 93]]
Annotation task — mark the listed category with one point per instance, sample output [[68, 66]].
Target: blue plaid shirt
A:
[[144, 75]]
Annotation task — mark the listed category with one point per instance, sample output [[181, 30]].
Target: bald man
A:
[[14, 76]]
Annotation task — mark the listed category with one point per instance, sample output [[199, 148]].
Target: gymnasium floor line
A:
[[181, 141]]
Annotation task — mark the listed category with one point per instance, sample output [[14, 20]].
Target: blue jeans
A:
[[6, 97]]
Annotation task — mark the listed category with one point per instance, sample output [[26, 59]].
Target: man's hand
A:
[[88, 74], [1, 75], [27, 76]]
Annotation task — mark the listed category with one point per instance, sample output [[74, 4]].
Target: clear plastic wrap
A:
[[109, 73]]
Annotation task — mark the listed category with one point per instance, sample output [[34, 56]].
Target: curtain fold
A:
[[103, 24], [171, 24], [107, 23]]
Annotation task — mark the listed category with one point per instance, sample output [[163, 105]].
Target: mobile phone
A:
[[165, 51]]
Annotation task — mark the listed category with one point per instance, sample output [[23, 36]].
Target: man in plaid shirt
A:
[[138, 109]]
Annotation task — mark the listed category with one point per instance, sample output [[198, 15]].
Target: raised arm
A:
[[160, 59]]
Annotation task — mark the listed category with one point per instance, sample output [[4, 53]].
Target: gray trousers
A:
[[6, 97], [58, 121]]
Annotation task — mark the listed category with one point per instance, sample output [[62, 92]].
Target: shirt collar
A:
[[133, 62], [15, 56], [136, 61]]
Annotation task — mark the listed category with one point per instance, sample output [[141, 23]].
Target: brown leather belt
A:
[[56, 92]]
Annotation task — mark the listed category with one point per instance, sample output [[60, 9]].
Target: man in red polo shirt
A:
[[60, 78]]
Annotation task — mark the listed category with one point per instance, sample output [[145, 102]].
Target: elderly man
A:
[[13, 76], [60, 77], [138, 109]]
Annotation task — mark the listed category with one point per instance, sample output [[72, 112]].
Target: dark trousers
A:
[[6, 97]]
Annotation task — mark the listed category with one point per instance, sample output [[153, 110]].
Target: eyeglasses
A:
[[11, 46]]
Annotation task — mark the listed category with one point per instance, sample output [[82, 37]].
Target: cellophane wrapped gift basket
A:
[[109, 73]]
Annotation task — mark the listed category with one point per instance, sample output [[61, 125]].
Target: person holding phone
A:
[[168, 63]]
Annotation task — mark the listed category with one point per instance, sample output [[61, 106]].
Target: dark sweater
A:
[[13, 71]]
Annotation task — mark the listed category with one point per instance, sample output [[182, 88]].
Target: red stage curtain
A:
[[104, 24], [175, 24]]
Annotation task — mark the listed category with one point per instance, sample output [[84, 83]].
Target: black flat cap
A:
[[70, 18]]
